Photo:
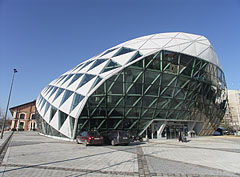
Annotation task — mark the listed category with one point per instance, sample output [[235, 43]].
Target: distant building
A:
[[23, 116], [232, 116]]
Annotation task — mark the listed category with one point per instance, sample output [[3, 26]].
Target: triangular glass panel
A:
[[44, 101], [66, 95], [79, 66], [52, 112], [86, 78], [133, 112], [96, 63], [62, 117], [46, 88], [53, 91], [72, 121], [138, 64], [135, 89], [123, 50], [111, 65], [148, 113], [50, 88], [76, 77], [180, 93], [87, 64], [77, 98], [67, 78], [97, 81], [40, 100], [46, 109], [150, 77], [153, 90], [60, 90], [136, 56], [60, 79], [108, 51]]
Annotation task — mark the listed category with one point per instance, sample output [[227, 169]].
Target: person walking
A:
[[180, 136]]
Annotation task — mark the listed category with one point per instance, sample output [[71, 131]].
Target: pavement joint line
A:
[[21, 166], [142, 163]]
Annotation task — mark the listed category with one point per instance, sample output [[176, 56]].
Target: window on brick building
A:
[[22, 116], [33, 116]]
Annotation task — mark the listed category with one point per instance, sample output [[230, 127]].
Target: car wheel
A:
[[113, 143]]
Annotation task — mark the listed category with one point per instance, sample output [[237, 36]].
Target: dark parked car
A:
[[217, 133], [115, 137], [89, 137]]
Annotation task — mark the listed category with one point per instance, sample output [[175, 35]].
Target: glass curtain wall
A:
[[162, 86]]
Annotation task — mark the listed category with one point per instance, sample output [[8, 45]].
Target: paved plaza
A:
[[30, 154]]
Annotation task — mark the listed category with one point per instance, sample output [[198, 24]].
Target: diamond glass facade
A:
[[162, 86]]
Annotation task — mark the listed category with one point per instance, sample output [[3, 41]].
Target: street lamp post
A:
[[4, 118]]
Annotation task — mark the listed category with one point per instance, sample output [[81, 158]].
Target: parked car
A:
[[116, 137], [89, 137], [217, 133]]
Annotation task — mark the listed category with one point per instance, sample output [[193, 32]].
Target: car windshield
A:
[[94, 133]]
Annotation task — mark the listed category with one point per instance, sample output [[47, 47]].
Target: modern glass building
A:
[[156, 85]]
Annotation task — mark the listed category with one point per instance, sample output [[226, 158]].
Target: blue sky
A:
[[44, 38]]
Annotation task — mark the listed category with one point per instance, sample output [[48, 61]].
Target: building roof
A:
[[22, 104], [190, 44]]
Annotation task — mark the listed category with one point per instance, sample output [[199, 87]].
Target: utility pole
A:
[[4, 118]]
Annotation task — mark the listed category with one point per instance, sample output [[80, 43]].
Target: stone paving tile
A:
[[164, 166]]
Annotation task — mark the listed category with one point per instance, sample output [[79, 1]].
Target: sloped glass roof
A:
[[123, 50], [96, 63], [136, 56], [66, 95], [111, 65], [108, 51], [60, 90], [53, 91], [75, 77], [77, 98], [86, 78], [67, 78]]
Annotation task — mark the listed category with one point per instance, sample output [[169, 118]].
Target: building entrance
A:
[[172, 130]]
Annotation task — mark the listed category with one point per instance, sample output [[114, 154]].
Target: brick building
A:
[[23, 116]]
